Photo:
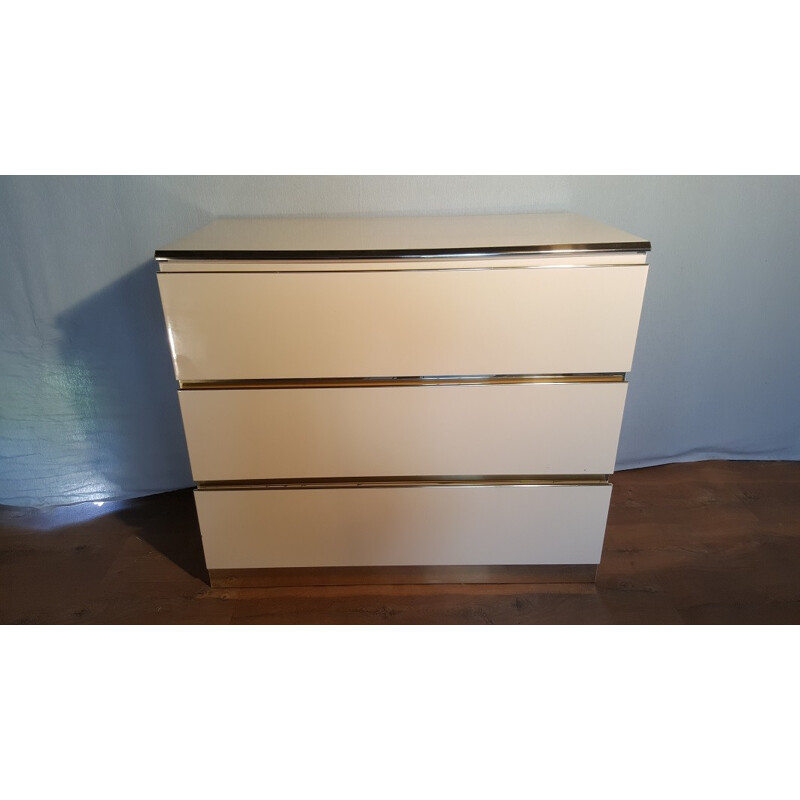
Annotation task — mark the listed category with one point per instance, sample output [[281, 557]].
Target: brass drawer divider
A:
[[405, 481], [434, 380]]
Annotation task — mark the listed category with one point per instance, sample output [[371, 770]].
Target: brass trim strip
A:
[[433, 380], [168, 254], [484, 267], [255, 581], [405, 481]]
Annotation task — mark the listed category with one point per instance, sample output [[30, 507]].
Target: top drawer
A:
[[539, 321]]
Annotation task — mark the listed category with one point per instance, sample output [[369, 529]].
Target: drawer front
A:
[[507, 429], [458, 525], [407, 323]]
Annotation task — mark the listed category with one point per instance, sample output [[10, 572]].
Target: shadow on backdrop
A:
[[120, 380]]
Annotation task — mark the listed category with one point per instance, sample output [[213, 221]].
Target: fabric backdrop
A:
[[88, 408]]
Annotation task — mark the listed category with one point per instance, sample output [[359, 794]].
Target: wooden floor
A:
[[710, 542]]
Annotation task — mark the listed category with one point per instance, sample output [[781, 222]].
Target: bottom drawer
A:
[[408, 525]]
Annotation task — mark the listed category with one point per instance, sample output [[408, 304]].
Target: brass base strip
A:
[[405, 481], [272, 577], [436, 380]]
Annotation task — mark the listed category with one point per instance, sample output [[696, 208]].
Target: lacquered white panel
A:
[[517, 429], [446, 322], [403, 526]]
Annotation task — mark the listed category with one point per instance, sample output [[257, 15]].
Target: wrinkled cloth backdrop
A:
[[88, 408]]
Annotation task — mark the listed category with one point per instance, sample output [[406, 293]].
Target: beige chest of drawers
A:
[[441, 392]]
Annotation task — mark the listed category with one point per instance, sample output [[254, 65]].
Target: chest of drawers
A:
[[440, 392]]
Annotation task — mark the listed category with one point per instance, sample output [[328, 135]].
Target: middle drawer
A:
[[413, 431]]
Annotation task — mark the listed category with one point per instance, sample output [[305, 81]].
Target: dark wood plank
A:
[[430, 607], [446, 604], [704, 543], [53, 576], [720, 539]]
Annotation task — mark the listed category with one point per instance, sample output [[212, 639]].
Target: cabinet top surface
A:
[[398, 237]]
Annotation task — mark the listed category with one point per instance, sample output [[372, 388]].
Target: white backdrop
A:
[[88, 409]]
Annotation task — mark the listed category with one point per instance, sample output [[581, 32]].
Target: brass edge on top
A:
[[377, 255]]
